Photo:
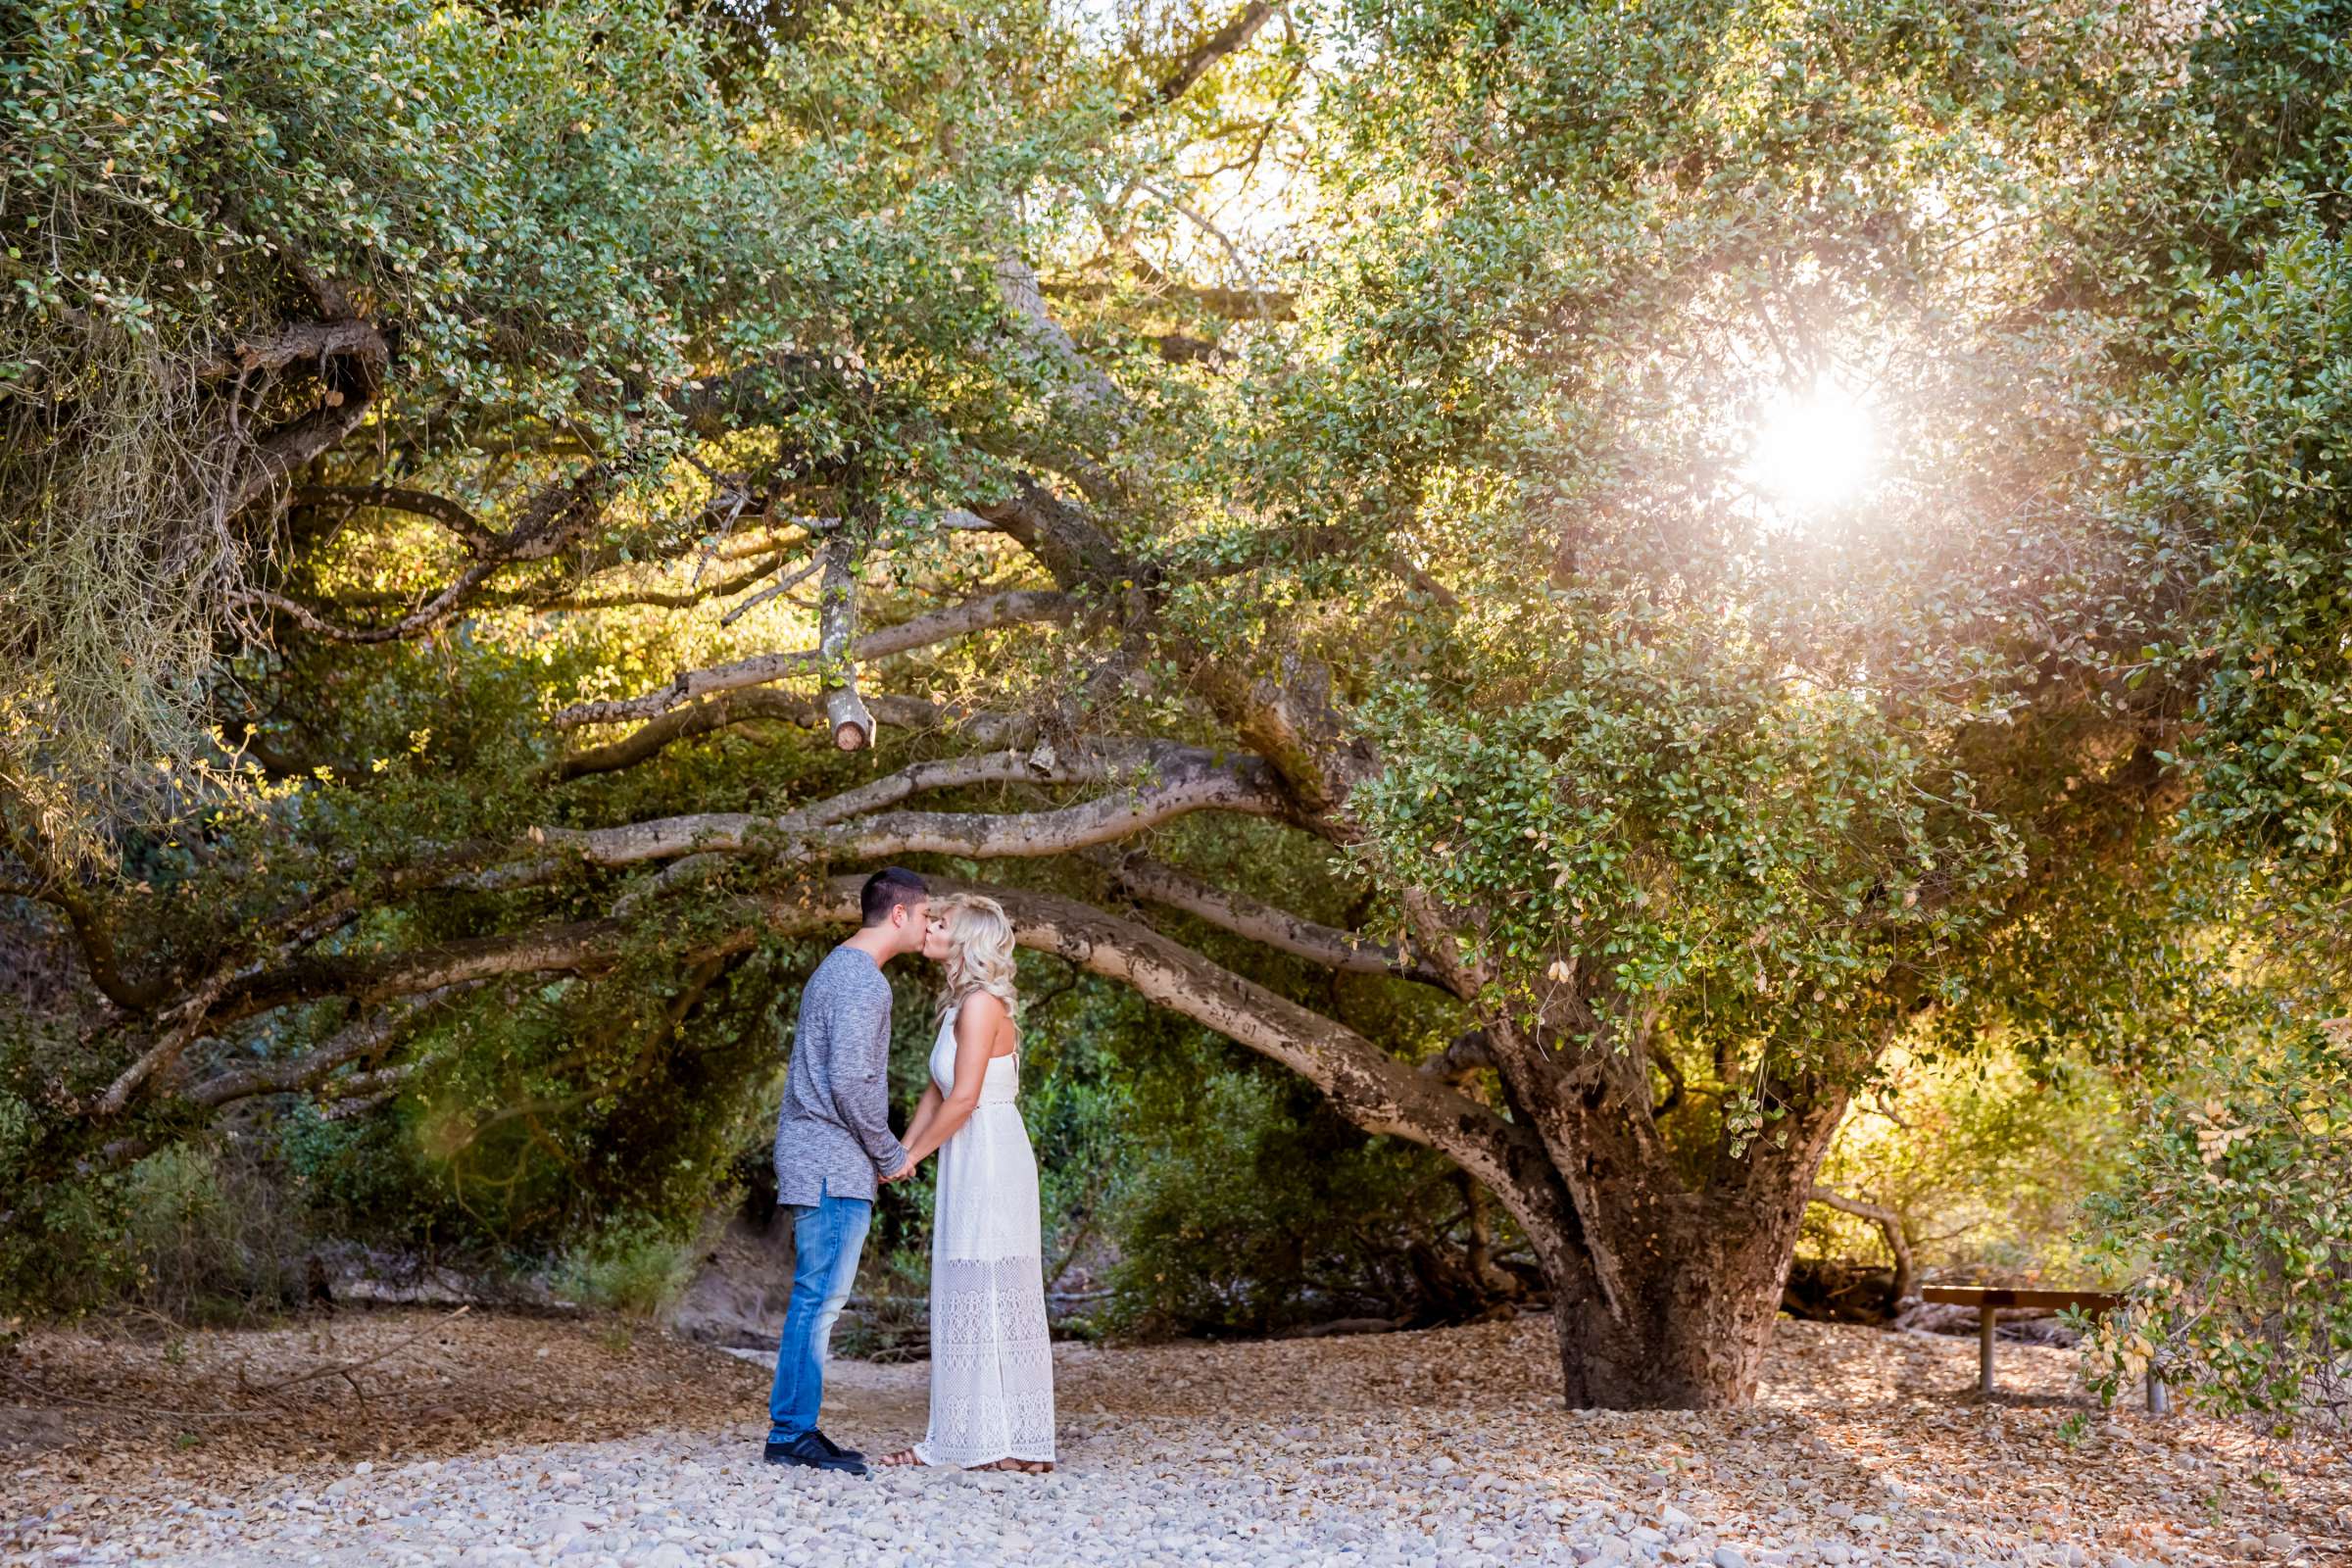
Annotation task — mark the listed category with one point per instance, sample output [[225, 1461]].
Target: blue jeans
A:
[[825, 1243]]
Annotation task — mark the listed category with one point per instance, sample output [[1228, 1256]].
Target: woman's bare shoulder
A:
[[982, 1009]]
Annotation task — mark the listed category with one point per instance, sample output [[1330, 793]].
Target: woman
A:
[[992, 1369]]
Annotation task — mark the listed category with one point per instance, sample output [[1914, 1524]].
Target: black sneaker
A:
[[813, 1453], [839, 1453]]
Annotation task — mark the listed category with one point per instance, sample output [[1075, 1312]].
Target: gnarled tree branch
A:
[[1142, 877], [363, 1036], [1187, 780], [734, 708], [1891, 1226], [51, 884], [1373, 1089], [1012, 607], [1201, 58], [451, 514], [350, 359], [554, 519]]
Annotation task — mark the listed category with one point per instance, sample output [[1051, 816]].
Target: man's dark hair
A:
[[887, 889]]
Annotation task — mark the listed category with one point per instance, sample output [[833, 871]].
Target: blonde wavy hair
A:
[[979, 951]]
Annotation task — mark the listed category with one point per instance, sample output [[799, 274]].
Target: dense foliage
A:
[[2233, 1216]]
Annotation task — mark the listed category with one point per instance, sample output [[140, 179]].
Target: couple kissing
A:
[[991, 1367]]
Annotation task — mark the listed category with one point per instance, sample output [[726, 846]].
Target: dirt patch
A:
[[120, 1410]]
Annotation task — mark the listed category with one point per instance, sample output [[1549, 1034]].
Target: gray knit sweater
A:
[[833, 1132]]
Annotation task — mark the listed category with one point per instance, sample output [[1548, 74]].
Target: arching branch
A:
[[1142, 877], [1094, 762], [558, 515], [51, 883], [370, 978], [715, 713], [451, 514], [647, 597], [1891, 1226], [1009, 609], [1373, 1089], [363, 1036], [1187, 780], [432, 612], [1061, 537]]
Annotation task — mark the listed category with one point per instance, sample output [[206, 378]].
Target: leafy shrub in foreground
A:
[[2236, 1195]]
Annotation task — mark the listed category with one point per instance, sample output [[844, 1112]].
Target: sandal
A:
[[905, 1456]]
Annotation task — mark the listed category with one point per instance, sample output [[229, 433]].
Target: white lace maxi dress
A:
[[991, 1366]]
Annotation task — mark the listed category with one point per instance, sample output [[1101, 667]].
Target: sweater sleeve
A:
[[861, 1074]]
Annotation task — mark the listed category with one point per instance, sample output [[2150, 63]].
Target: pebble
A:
[[1235, 1481]]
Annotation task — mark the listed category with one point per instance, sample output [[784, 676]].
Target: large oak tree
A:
[[1259, 498]]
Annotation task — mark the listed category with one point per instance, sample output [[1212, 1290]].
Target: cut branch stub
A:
[[851, 722]]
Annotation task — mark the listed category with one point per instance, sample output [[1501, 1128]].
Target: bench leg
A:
[[1984, 1326]]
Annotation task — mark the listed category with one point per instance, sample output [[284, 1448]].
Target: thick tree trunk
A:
[[1689, 1331], [1665, 1295]]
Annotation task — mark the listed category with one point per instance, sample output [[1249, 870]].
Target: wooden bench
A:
[[1990, 1299]]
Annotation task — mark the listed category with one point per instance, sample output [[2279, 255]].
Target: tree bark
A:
[[979, 615], [1694, 1273], [1691, 1326], [851, 721]]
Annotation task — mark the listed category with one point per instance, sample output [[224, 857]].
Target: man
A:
[[833, 1145]]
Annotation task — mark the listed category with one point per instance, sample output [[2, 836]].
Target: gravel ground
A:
[[1444, 1448]]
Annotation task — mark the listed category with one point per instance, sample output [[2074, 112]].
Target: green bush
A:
[[62, 1228], [538, 1124], [2234, 1210], [209, 1238], [1216, 1196], [1249, 1206], [1987, 1161], [632, 1268]]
